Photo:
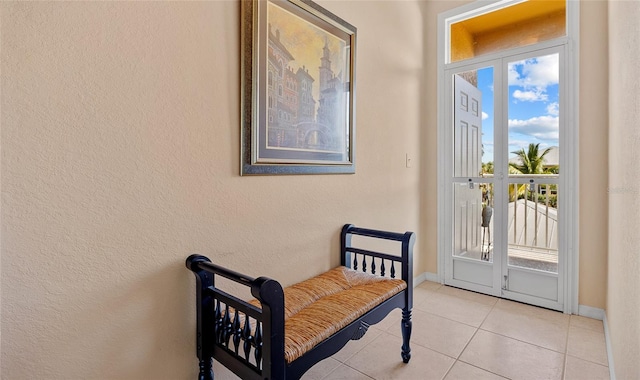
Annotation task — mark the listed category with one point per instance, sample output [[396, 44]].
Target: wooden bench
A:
[[282, 333]]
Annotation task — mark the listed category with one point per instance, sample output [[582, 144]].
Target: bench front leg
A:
[[407, 275], [206, 369], [204, 311], [406, 325]]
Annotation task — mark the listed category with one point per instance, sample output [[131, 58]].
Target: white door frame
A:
[[569, 242]]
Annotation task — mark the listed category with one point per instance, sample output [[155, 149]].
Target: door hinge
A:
[[505, 284]]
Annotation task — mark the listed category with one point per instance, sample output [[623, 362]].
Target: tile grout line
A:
[[525, 342], [457, 359], [529, 343], [348, 366], [585, 359], [462, 299], [349, 357], [588, 361]]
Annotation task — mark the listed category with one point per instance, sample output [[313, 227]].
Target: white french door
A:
[[504, 160]]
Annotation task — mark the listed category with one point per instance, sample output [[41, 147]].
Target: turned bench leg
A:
[[206, 369], [406, 335]]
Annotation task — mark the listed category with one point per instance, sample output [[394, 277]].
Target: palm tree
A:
[[531, 162], [487, 167]]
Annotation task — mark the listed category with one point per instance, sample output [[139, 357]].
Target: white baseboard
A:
[[591, 312], [607, 339], [426, 276]]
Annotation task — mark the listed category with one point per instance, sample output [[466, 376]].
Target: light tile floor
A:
[[464, 335]]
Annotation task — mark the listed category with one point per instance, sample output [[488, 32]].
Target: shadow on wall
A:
[[428, 135]]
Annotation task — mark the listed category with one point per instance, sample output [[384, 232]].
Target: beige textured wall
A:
[[623, 296], [120, 146]]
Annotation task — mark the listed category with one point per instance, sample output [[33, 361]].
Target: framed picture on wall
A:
[[298, 89]]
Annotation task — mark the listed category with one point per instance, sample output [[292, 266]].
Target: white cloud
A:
[[543, 71], [540, 127], [537, 72], [513, 75], [534, 75], [530, 96], [518, 143], [485, 115], [553, 109]]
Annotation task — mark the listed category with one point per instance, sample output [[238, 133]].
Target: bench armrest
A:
[[364, 259], [240, 329]]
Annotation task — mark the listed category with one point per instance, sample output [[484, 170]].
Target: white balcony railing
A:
[[532, 224]]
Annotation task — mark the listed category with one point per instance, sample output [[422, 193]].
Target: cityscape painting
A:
[[298, 112]]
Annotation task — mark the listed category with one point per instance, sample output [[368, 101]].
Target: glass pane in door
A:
[[473, 164], [534, 167], [473, 225], [533, 226]]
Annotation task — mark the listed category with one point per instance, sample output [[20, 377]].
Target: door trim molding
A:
[[572, 42], [573, 178]]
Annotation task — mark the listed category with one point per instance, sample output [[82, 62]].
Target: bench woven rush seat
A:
[[283, 332], [316, 308]]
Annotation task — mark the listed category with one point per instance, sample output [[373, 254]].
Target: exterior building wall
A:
[[462, 43], [467, 44], [521, 34]]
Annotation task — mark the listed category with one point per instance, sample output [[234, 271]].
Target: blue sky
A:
[[532, 108]]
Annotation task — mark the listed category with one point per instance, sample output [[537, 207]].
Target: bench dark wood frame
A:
[[255, 350]]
